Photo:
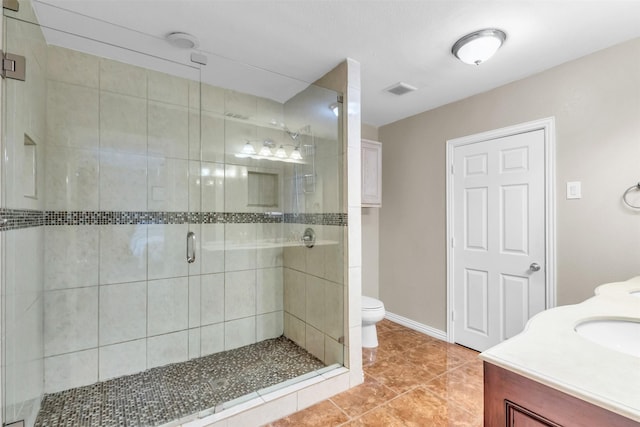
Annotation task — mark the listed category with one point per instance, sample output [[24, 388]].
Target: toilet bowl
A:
[[372, 313]]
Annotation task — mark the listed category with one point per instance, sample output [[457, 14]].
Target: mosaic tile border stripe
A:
[[23, 218], [13, 219]]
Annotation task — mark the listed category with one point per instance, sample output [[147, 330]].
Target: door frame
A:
[[548, 125]]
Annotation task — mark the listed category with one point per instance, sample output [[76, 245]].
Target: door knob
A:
[[534, 266]]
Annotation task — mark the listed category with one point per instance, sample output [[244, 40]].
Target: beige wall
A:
[[596, 104], [370, 235]]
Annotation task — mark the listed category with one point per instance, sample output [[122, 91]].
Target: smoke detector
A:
[[183, 40], [400, 88]]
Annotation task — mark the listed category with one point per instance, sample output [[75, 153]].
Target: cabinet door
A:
[[371, 173], [521, 417]]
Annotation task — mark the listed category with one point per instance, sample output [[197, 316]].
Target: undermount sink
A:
[[618, 335]]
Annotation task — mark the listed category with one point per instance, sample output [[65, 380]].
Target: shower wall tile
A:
[[333, 351], [241, 104], [212, 98], [194, 94], [167, 88], [195, 184], [213, 135], [195, 296], [315, 255], [211, 177], [123, 312], [238, 333], [295, 299], [212, 339], [315, 302], [168, 130], [334, 254], [295, 256], [239, 294], [72, 66], [123, 253], [334, 310], [71, 179], [212, 252], [70, 257], [355, 235], [352, 299], [314, 340], [123, 182], [354, 176], [166, 349], [70, 370], [269, 325], [167, 184], [168, 305], [123, 123], [194, 343], [240, 245], [195, 124], [72, 115], [269, 111], [123, 78], [212, 298], [270, 290], [122, 359], [294, 329], [167, 251], [277, 135], [70, 320], [271, 256]]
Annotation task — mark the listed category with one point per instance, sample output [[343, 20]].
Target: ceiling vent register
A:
[[400, 88]]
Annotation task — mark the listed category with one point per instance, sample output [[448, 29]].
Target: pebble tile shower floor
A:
[[160, 395]]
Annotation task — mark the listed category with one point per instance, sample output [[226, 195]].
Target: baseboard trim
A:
[[412, 324]]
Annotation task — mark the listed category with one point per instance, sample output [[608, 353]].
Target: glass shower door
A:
[[99, 153], [21, 219]]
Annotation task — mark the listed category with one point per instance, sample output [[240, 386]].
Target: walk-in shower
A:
[[151, 273]]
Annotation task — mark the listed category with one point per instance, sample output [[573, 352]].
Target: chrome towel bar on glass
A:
[[626, 193]]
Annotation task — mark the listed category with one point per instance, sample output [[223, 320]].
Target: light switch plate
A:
[[574, 190]]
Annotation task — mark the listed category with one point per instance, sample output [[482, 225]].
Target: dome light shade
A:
[[248, 149], [477, 47], [280, 153], [265, 151], [295, 154]]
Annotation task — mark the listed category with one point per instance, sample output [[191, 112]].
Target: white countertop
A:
[[551, 352]]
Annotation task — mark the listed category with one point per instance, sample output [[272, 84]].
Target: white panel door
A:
[[498, 237]]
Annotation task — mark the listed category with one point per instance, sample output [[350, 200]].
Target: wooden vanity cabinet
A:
[[512, 400]]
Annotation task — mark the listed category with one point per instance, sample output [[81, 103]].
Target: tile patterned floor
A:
[[415, 380], [167, 393]]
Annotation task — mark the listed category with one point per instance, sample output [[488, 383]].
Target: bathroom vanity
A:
[[575, 365]]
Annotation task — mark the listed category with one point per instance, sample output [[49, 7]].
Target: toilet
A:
[[372, 313]]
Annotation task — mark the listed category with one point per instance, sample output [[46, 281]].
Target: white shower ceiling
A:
[[299, 41]]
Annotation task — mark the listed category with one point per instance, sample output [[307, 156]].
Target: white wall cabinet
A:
[[371, 174]]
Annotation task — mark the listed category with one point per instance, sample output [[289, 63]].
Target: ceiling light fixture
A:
[[183, 40], [477, 47]]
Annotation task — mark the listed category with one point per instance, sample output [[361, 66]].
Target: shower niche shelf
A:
[[29, 169]]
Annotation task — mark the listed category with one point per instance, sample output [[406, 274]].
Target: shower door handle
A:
[[191, 247]]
